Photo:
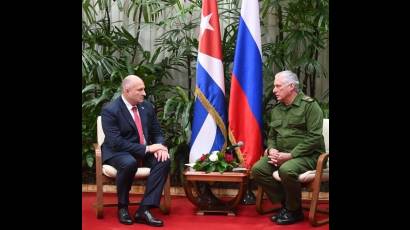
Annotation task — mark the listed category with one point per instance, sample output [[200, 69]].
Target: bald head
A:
[[133, 89], [129, 81]]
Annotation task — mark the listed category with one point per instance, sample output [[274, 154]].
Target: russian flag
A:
[[209, 118], [245, 104]]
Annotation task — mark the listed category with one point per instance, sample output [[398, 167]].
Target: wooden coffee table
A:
[[228, 207]]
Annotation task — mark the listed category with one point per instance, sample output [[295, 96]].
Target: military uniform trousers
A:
[[288, 191]]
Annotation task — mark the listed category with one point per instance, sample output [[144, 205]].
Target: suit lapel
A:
[[143, 116], [127, 114]]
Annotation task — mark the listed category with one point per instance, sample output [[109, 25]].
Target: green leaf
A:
[[89, 88], [220, 168], [155, 56], [182, 93], [172, 158], [90, 160], [211, 168]]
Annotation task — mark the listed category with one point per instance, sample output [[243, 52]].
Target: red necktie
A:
[[137, 120]]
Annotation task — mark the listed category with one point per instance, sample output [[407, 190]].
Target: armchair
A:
[[311, 180], [106, 173]]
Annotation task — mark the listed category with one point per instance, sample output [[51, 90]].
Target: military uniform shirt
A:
[[297, 128]]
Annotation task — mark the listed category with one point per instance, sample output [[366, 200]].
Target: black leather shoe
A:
[[290, 217], [279, 214], [148, 218], [124, 216]]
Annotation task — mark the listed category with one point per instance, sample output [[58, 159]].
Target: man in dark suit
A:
[[133, 133]]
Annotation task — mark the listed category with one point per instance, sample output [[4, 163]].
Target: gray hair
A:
[[289, 77]]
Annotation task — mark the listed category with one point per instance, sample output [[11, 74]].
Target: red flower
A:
[[228, 158], [203, 157]]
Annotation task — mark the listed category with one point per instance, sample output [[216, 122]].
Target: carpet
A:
[[183, 217]]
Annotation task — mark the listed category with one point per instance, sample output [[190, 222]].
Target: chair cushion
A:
[[307, 176], [110, 171]]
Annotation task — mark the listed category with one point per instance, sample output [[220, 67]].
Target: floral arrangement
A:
[[215, 162]]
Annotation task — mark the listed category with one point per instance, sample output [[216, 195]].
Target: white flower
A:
[[215, 152], [213, 156]]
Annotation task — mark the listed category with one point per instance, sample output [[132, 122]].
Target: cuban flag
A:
[[209, 118], [245, 104]]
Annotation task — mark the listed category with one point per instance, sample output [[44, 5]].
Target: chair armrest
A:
[[319, 169], [321, 162]]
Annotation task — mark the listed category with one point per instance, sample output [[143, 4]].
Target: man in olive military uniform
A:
[[294, 148]]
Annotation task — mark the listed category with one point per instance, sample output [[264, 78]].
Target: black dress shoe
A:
[[148, 218], [124, 216], [279, 214], [290, 217]]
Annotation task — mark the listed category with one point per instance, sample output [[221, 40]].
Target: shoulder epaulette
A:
[[307, 98]]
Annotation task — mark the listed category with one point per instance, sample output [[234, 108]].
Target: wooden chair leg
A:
[[99, 181], [259, 198], [165, 205], [99, 205], [313, 208]]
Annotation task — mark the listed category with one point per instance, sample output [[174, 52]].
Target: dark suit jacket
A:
[[121, 134]]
